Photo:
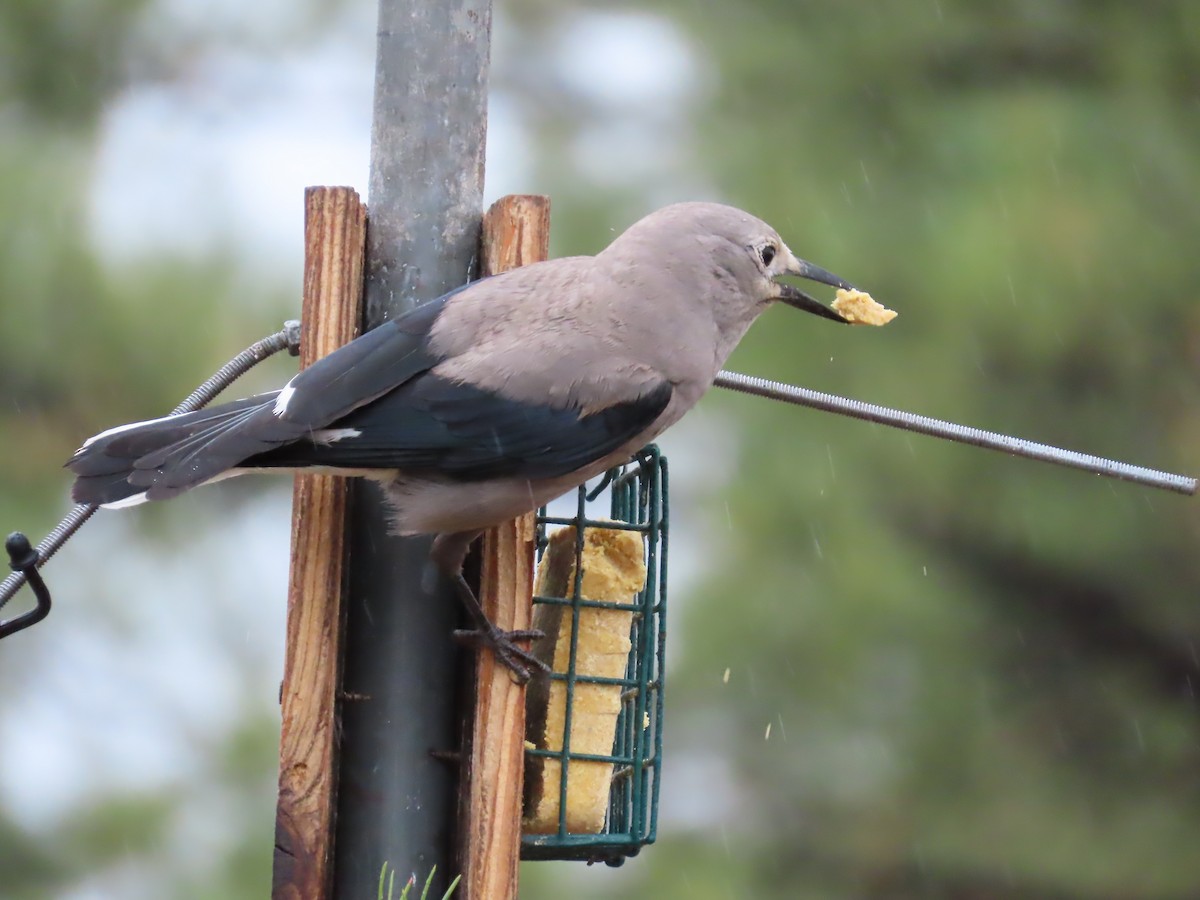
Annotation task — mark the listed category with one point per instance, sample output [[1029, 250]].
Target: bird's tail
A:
[[154, 459]]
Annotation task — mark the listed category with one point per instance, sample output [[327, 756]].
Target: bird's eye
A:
[[766, 254]]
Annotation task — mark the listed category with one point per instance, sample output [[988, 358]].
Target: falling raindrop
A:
[[1141, 739], [866, 178]]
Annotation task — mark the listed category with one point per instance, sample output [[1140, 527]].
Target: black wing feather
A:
[[444, 427], [365, 368]]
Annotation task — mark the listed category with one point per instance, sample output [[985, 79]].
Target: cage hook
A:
[[637, 469], [23, 558], [622, 475], [605, 481]]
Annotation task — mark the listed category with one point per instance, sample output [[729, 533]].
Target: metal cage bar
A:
[[638, 501]]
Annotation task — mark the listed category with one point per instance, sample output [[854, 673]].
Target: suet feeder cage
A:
[[605, 640]]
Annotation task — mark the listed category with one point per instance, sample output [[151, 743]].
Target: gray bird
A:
[[495, 398]]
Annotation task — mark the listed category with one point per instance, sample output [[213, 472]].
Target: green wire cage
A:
[[637, 502]]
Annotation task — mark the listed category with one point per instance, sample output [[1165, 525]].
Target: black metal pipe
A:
[[396, 802]]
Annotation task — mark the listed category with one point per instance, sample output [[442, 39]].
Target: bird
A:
[[495, 398]]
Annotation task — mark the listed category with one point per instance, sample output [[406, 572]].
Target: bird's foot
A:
[[448, 552], [503, 645]]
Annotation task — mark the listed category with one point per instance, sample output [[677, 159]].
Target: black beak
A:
[[816, 273], [796, 298]]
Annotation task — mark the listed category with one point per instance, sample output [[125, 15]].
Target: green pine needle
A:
[[387, 876]]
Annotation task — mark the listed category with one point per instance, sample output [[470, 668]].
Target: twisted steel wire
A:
[[287, 338]]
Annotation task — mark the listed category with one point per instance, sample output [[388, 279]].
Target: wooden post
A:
[[334, 239], [516, 231]]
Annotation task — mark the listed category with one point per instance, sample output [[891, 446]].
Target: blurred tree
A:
[[981, 672], [84, 342]]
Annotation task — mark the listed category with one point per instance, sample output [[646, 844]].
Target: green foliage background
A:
[[981, 673]]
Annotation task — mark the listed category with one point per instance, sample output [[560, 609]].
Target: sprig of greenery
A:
[[387, 876]]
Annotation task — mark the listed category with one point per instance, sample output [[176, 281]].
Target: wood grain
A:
[[334, 239], [516, 231]]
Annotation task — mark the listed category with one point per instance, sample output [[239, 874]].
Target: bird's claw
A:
[[504, 647]]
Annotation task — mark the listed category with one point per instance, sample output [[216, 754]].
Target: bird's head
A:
[[730, 256], [774, 259]]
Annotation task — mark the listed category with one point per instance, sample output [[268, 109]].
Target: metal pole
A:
[[396, 803], [950, 431]]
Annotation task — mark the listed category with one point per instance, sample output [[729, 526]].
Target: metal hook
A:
[[24, 559], [605, 481], [618, 477]]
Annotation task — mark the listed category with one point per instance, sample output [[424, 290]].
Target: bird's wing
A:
[[358, 372], [448, 428]]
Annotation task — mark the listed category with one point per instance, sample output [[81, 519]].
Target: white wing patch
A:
[[139, 499], [333, 435], [285, 396], [118, 430], [135, 500]]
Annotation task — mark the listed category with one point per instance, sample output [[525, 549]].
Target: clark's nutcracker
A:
[[496, 398]]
